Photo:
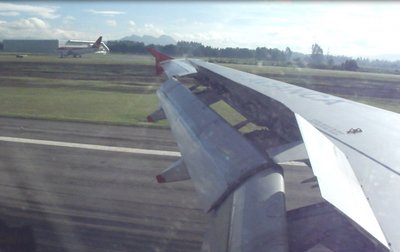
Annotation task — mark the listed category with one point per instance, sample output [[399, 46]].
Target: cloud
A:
[[48, 12], [67, 22], [33, 28], [108, 13], [335, 27], [64, 34], [111, 23], [146, 29], [25, 24], [68, 19], [9, 13], [212, 38]]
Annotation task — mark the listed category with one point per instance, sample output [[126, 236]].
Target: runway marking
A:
[[91, 146]]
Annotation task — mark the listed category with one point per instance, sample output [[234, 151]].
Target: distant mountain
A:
[[147, 40]]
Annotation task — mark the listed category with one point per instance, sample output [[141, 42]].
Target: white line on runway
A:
[[91, 146]]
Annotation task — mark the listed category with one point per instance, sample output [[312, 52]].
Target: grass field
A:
[[282, 71], [96, 59], [80, 105], [120, 89]]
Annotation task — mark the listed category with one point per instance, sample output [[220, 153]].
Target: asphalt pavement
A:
[[69, 198]]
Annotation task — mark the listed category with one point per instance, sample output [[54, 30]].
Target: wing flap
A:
[[176, 172], [156, 116], [289, 152], [337, 181]]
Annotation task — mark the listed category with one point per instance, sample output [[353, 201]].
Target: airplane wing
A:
[[352, 148], [103, 45]]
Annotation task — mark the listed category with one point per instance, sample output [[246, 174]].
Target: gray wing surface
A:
[[353, 149]]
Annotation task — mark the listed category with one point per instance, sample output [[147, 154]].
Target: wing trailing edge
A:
[[322, 224]]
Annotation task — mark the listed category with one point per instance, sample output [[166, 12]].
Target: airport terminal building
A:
[[30, 46]]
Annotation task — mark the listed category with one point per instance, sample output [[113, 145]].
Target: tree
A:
[[316, 50], [350, 65], [261, 53], [317, 56], [170, 50], [288, 53], [126, 46], [330, 62], [189, 48]]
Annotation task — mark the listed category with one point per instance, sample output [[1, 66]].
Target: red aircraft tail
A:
[[97, 43], [159, 58]]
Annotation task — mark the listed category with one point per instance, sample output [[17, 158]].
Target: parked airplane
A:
[[83, 48], [73, 42], [352, 148]]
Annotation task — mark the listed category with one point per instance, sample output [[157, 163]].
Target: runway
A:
[[64, 197]]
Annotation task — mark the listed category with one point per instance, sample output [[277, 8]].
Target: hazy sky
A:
[[353, 29]]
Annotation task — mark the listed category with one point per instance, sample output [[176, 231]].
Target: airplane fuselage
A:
[[78, 51], [75, 51]]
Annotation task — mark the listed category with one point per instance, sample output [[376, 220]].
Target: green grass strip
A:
[[82, 105]]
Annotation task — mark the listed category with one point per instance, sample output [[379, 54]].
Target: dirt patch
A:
[[345, 86], [78, 71]]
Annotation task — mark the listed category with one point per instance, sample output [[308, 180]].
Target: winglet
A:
[[159, 58], [97, 43]]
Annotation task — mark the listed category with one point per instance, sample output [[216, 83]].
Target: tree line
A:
[[269, 56], [195, 49], [319, 60], [260, 55]]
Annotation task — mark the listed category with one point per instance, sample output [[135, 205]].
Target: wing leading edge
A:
[[292, 115]]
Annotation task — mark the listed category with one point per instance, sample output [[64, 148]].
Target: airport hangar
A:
[[30, 46]]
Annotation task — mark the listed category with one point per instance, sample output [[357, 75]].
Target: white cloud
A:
[[335, 27], [108, 13], [69, 19], [64, 34], [26, 24], [33, 28], [146, 29], [111, 23], [48, 12], [9, 13], [67, 22]]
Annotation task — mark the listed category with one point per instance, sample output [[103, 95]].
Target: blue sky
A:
[[355, 29]]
